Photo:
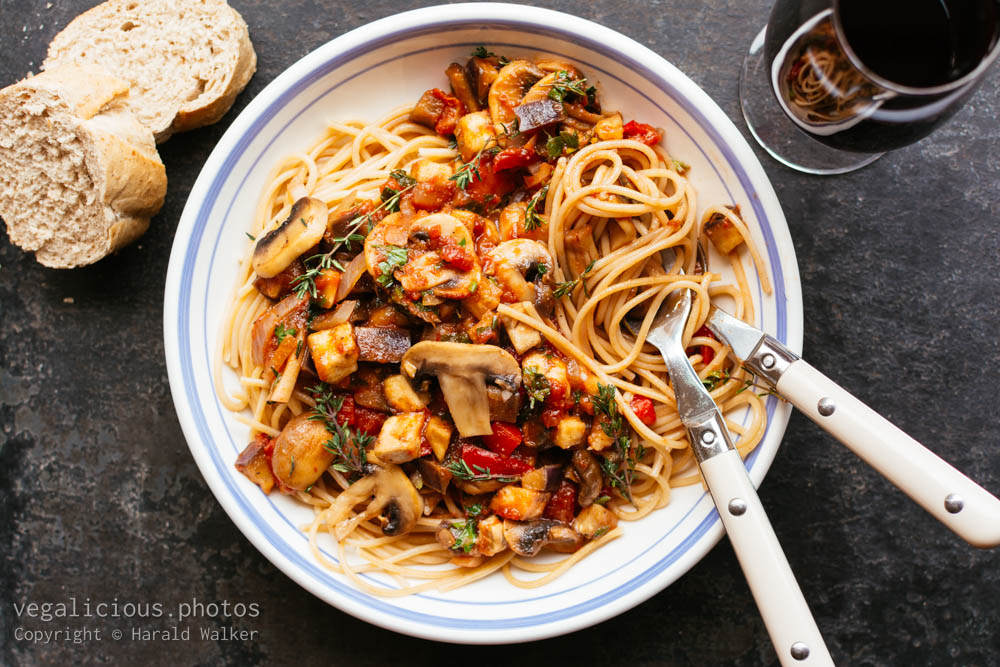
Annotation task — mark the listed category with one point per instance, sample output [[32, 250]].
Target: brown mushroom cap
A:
[[462, 371], [526, 538], [304, 228]]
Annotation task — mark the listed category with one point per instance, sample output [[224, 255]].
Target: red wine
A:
[[919, 43], [873, 75]]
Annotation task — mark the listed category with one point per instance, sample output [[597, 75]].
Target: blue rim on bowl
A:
[[191, 399]]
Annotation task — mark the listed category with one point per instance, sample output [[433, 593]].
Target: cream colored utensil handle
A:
[[789, 622], [954, 499]]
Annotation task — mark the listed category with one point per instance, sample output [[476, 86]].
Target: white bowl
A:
[[363, 74]]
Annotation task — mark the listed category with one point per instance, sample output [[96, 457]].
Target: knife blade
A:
[[948, 495]]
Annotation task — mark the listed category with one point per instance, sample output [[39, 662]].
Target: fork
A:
[[786, 615]]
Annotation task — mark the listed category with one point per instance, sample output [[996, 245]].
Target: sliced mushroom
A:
[[589, 472], [524, 268], [299, 457], [508, 90], [462, 372], [391, 494], [526, 538], [303, 229]]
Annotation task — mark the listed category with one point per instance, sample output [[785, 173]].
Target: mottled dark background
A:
[[100, 498]]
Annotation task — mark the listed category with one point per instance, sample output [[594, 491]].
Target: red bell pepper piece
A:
[[504, 439], [368, 421], [484, 461], [345, 416], [562, 505], [707, 353], [643, 409], [512, 158], [647, 134]]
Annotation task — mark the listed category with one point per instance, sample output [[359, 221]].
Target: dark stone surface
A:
[[100, 498]]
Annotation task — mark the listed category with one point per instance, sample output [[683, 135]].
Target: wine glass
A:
[[829, 85]]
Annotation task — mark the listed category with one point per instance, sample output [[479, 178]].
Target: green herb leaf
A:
[[531, 218], [347, 446], [395, 257], [565, 86], [470, 170], [537, 386], [281, 332]]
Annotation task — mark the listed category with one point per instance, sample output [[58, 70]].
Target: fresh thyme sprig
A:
[[470, 170], [316, 264], [565, 86], [345, 444], [531, 217], [537, 386], [620, 468], [461, 470], [567, 287]]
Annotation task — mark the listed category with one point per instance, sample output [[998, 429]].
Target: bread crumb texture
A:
[[186, 60], [79, 175]]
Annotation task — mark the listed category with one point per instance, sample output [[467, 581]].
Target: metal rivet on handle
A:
[[708, 437], [767, 361], [737, 506], [954, 503], [826, 406], [800, 651]]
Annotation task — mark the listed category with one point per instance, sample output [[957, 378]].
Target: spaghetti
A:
[[502, 263]]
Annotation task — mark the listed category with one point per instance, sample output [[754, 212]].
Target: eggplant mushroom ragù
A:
[[415, 397]]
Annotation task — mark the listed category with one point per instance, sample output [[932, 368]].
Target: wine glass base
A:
[[777, 134]]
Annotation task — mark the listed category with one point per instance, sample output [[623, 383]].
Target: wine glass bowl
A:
[[829, 85]]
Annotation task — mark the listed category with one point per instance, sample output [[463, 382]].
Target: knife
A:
[[796, 638], [951, 497]]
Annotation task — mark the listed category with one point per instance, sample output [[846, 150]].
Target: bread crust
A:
[[128, 178], [77, 43]]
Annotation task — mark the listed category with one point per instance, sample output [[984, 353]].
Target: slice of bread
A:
[[79, 175], [187, 60]]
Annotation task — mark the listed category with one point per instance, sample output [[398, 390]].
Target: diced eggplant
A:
[[504, 407], [546, 478], [253, 463], [723, 233], [384, 345], [541, 113], [280, 285], [482, 73], [589, 471], [460, 87], [427, 110], [435, 475]]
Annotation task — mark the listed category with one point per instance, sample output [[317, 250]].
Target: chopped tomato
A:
[[425, 448], [643, 409], [707, 353], [484, 461], [504, 439], [452, 109], [488, 188], [368, 421], [562, 505], [457, 256], [345, 417], [552, 417], [512, 158], [647, 134]]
